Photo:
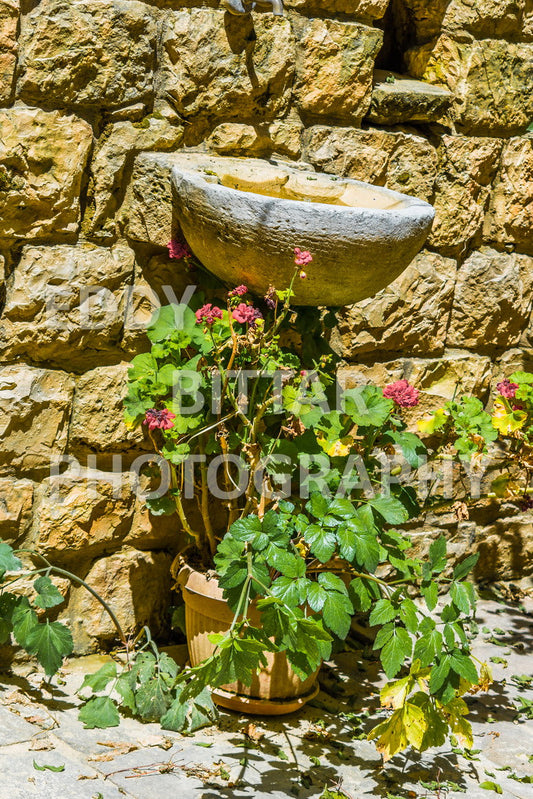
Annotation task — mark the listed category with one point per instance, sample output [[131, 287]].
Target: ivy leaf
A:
[[100, 679], [50, 643], [100, 712], [48, 596], [397, 649]]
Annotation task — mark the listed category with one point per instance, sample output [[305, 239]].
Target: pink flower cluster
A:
[[507, 389], [177, 250], [208, 313], [156, 419], [246, 314], [402, 393], [302, 257], [238, 291]]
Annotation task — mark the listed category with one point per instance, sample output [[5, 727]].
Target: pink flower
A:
[[244, 314], [302, 257], [402, 393], [177, 250], [238, 291], [507, 389], [162, 420], [208, 313]]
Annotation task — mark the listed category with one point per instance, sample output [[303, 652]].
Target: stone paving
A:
[[299, 755]]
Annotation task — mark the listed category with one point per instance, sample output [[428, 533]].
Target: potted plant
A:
[[289, 491]]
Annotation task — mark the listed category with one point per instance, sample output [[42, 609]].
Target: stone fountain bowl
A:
[[242, 218]]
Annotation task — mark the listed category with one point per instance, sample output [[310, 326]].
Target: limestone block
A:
[[397, 99], [65, 304], [409, 316], [505, 549], [34, 409], [363, 9], [96, 53], [9, 17], [97, 411], [494, 18], [137, 587], [334, 66], [286, 135], [118, 144], [400, 161], [235, 138], [490, 79], [439, 378], [219, 65], [147, 213], [42, 158], [510, 217], [82, 513], [492, 301], [16, 497], [467, 168]]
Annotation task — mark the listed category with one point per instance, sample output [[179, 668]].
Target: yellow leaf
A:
[[434, 422], [485, 679], [395, 694], [505, 420], [415, 724], [455, 711], [391, 734], [336, 449]]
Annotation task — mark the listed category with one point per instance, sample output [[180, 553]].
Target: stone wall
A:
[[432, 99]]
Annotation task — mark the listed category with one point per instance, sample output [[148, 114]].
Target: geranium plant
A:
[[290, 489]]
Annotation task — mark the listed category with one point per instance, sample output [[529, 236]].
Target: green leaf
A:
[[337, 613], [153, 699], [466, 566], [491, 786], [322, 542], [427, 647], [175, 717], [460, 596], [101, 678], [316, 596], [392, 510], [161, 506], [437, 555], [430, 592], [48, 596], [439, 673], [318, 506], [8, 561], [367, 406], [397, 649], [463, 666], [382, 612], [24, 620], [413, 449], [100, 712], [50, 643], [46, 767]]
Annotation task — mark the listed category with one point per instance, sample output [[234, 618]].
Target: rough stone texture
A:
[[467, 168], [364, 9], [147, 214], [219, 65], [439, 377], [116, 149], [235, 138], [135, 584], [16, 497], [483, 18], [400, 161], [334, 62], [409, 316], [34, 410], [510, 217], [492, 301], [95, 53], [42, 158], [9, 17], [66, 304], [97, 411], [396, 99], [490, 80]]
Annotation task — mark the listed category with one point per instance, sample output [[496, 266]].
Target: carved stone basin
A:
[[242, 218]]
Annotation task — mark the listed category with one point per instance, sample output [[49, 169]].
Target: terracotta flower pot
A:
[[275, 690]]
